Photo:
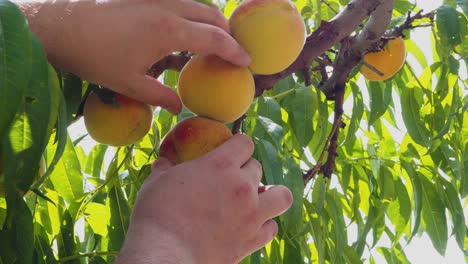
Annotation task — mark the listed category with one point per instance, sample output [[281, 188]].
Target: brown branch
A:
[[311, 173], [306, 76], [329, 167], [237, 125], [408, 24], [172, 62]]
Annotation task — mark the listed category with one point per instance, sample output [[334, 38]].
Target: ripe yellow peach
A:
[[192, 137], [211, 87], [271, 31], [388, 61], [120, 123]]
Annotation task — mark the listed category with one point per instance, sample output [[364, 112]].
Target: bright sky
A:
[[420, 251]]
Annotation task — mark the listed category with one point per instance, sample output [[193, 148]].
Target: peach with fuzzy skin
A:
[[192, 138], [388, 61], [271, 31], [119, 124], [214, 88]]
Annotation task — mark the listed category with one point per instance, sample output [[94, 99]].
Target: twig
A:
[[237, 125], [306, 75], [329, 6], [408, 24], [172, 62], [329, 167]]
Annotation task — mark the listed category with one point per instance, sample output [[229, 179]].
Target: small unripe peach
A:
[[271, 31], [214, 88], [193, 137]]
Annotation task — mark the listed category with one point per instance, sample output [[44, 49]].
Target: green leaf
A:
[[66, 243], [97, 260], [271, 162], [15, 61], [351, 256], [56, 150], [454, 106], [380, 98], [43, 247], [411, 104], [119, 217], [67, 177], [27, 136], [292, 219], [24, 233], [453, 203], [318, 193], [268, 107], [292, 252], [417, 196], [335, 210], [95, 159], [374, 216], [448, 25], [464, 6], [354, 123], [399, 210], [72, 91], [301, 109], [269, 130], [97, 216], [433, 215]]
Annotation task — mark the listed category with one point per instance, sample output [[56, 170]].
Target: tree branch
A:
[[171, 62]]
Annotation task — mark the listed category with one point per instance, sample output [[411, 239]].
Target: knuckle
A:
[[243, 190], [222, 162], [257, 164], [217, 16], [218, 37], [287, 197], [246, 142]]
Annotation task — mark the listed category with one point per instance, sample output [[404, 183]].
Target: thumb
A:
[[149, 90], [160, 165]]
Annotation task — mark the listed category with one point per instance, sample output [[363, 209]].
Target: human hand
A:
[[208, 210], [113, 43]]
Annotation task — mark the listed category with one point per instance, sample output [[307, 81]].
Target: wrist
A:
[[146, 245]]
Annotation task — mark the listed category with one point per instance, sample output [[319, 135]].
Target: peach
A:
[[120, 123], [271, 31], [388, 61], [191, 138], [211, 87]]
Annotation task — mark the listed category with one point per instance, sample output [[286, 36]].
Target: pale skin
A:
[[208, 210]]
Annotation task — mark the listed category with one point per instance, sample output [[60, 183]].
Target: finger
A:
[[265, 234], [149, 90], [207, 39], [275, 201], [158, 167], [161, 164], [236, 151], [253, 168], [198, 12]]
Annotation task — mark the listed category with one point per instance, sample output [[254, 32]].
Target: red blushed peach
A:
[[193, 137]]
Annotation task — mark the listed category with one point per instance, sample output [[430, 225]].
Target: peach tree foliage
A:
[[319, 128]]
